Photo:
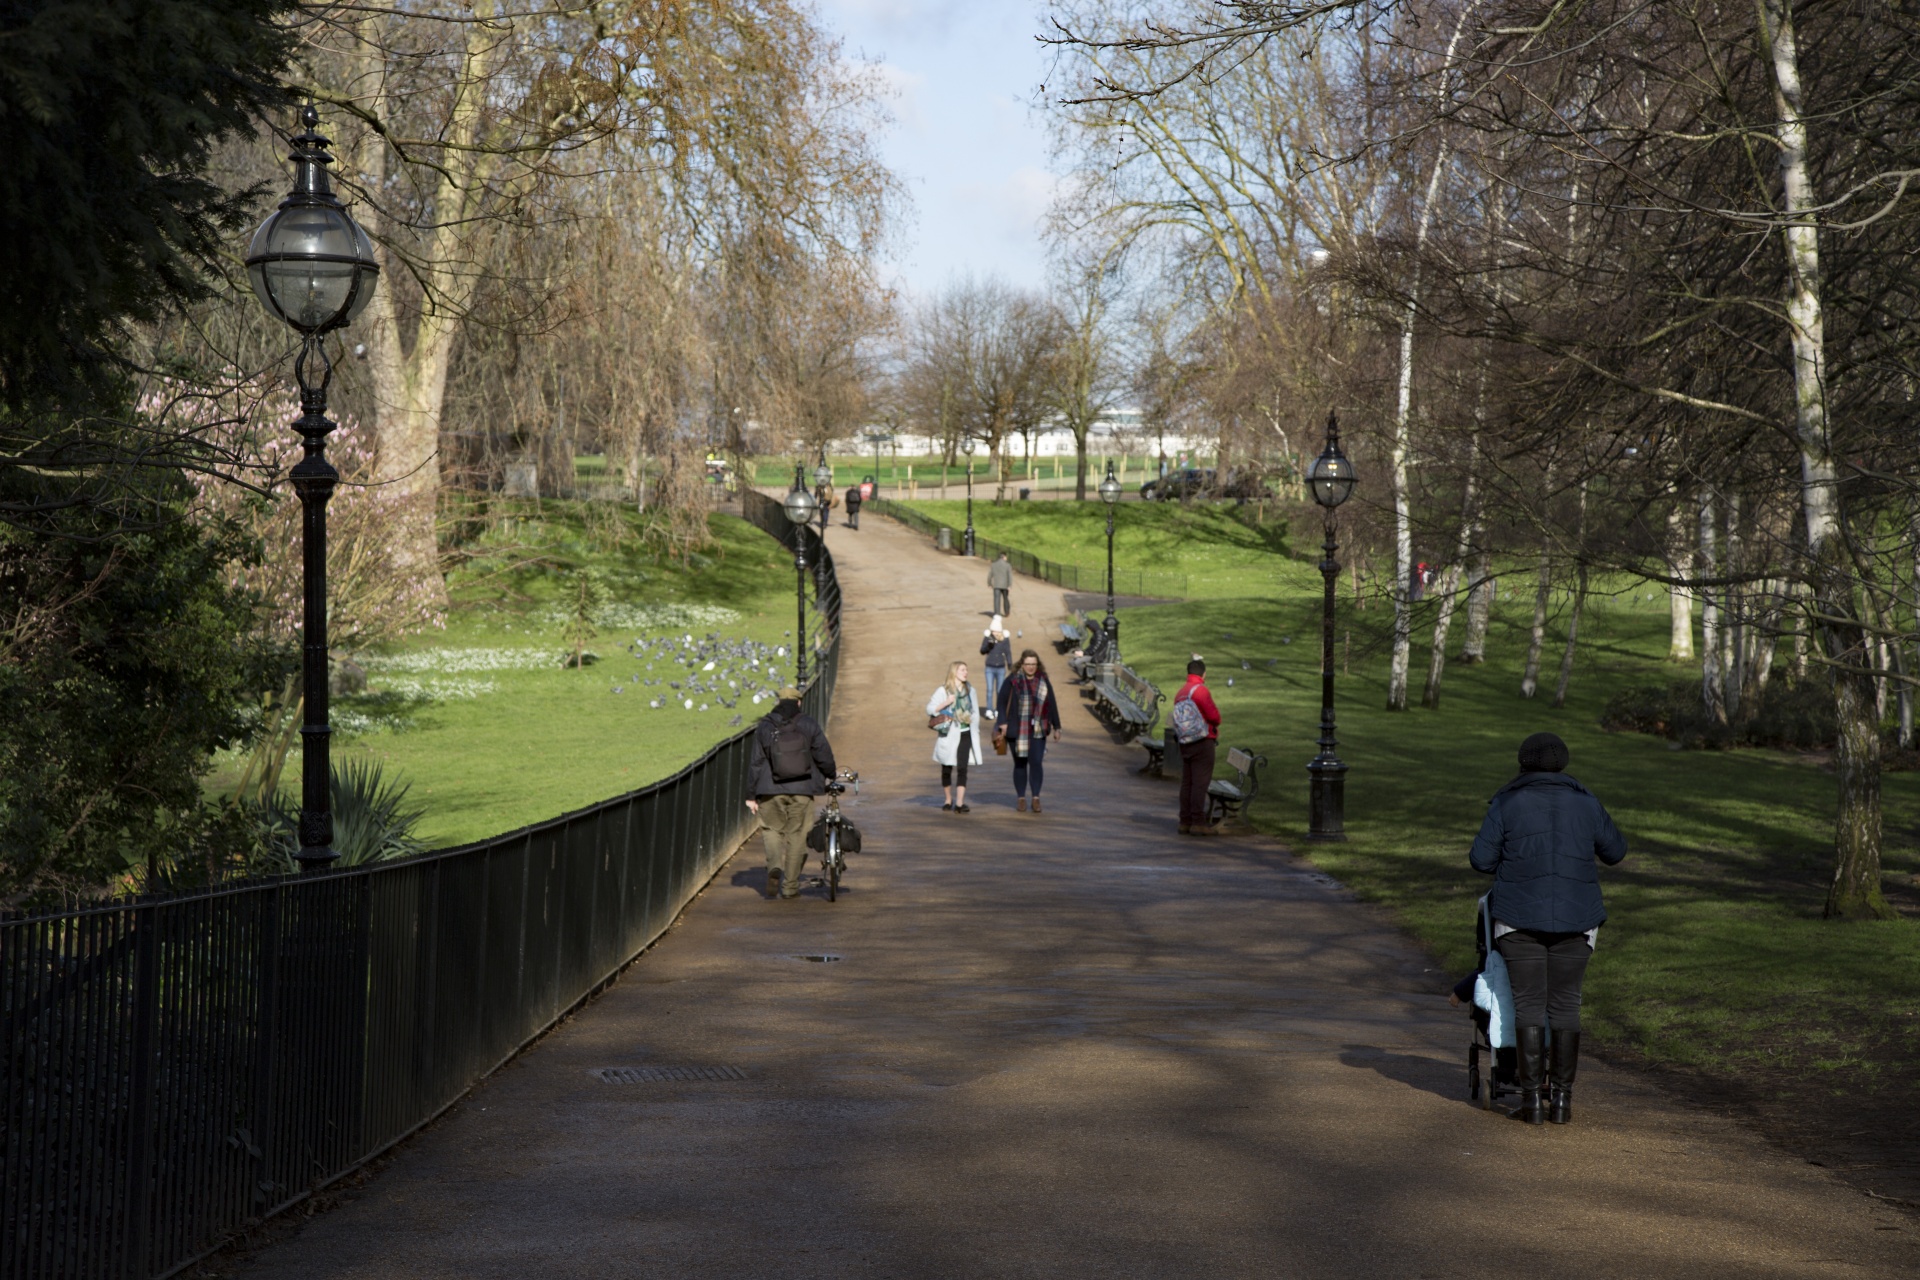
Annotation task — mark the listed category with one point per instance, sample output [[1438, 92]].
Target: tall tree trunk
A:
[[1450, 580], [1479, 607], [1579, 602], [1398, 472], [1712, 686], [410, 368], [1733, 630], [1542, 594], [1855, 891], [1679, 599], [1400, 454], [1080, 465], [1573, 635]]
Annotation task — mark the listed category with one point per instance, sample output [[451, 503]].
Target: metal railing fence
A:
[[1167, 583], [177, 1068]]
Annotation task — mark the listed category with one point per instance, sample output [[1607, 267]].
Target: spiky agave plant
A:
[[372, 821]]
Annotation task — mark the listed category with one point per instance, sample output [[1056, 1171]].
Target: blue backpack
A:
[[1189, 722]]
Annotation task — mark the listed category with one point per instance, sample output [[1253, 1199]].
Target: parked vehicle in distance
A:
[[1245, 487], [1191, 482]]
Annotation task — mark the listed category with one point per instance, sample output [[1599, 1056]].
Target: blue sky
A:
[[967, 142]]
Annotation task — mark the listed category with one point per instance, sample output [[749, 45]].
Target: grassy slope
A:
[[1715, 954], [488, 750], [1221, 555]]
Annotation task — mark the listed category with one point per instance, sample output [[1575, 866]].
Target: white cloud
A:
[[914, 18], [903, 89]]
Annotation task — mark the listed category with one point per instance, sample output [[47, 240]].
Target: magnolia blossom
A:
[[367, 602]]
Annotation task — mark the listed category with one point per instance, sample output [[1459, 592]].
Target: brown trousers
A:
[[783, 833], [1196, 773]]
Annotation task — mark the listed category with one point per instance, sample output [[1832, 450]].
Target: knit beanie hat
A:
[[1543, 753]]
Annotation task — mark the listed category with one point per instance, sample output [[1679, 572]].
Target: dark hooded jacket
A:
[[760, 781], [1540, 842]]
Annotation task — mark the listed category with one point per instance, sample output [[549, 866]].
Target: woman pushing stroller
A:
[[1543, 837]]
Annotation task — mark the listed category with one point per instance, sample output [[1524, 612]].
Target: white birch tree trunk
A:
[[1712, 693], [1855, 891], [1479, 607], [1679, 599]]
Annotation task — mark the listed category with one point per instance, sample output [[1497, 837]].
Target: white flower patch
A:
[[441, 662], [619, 616], [347, 721], [439, 689]]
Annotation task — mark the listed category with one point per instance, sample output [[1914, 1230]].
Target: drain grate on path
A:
[[821, 959], [665, 1075]]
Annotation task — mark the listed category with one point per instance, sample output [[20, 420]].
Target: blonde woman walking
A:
[[953, 713]]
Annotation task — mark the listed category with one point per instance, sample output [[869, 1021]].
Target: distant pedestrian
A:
[[1197, 729], [790, 764], [1028, 715], [1541, 841], [854, 499], [998, 648], [953, 713], [1000, 578]]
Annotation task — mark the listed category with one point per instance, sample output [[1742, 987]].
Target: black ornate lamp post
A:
[[823, 489], [969, 533], [877, 438], [800, 507], [1330, 480], [313, 267], [1110, 494]]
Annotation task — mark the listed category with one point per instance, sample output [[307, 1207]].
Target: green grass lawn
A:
[[490, 727], [1046, 474], [1715, 955], [1222, 554]]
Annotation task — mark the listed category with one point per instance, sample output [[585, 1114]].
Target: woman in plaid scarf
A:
[[1027, 715]]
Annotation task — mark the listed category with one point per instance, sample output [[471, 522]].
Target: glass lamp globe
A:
[[823, 475], [1331, 478], [1110, 488], [310, 263], [800, 505]]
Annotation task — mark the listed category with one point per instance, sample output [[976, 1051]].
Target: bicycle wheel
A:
[[833, 863]]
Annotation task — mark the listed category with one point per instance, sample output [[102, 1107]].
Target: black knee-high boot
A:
[[1565, 1061], [1530, 1062]]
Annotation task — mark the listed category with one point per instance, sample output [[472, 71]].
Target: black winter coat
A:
[[1540, 841], [760, 783]]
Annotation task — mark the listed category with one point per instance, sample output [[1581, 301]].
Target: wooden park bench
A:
[[1229, 800], [1126, 697]]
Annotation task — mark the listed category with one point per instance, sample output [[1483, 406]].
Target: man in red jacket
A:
[[1196, 758]]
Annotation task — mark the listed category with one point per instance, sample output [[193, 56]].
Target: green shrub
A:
[[1795, 716], [372, 821]]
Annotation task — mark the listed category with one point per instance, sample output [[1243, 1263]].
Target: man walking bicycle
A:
[[790, 763]]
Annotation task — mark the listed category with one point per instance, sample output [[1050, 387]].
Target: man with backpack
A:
[[790, 764], [854, 499], [1196, 727]]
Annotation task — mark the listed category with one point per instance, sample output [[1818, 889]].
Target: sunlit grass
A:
[[1715, 954], [488, 725]]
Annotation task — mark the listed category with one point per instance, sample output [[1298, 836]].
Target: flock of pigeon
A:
[[699, 673]]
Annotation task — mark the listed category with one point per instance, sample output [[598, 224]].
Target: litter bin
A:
[[1025, 494], [943, 540]]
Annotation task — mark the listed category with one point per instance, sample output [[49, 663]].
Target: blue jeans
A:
[[1030, 767], [996, 676]]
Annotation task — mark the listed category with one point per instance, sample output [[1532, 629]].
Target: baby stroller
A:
[[1490, 1054]]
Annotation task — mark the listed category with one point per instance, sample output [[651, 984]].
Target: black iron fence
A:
[[1164, 583], [176, 1068]]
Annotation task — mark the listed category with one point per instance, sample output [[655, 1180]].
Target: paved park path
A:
[[1071, 1044]]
